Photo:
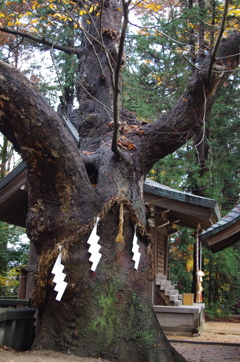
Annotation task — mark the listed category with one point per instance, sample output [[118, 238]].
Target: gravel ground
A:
[[194, 349]]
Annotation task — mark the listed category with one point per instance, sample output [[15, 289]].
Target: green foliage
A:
[[151, 80], [222, 281], [13, 254], [13, 250], [9, 282], [181, 260]]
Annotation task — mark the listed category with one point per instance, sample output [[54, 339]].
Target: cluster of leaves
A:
[[221, 282], [37, 16], [181, 260], [13, 255], [9, 282], [44, 20]]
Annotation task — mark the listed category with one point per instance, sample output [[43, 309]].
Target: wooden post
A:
[[153, 232], [198, 295], [22, 284]]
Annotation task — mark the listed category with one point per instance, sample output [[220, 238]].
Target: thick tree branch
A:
[[172, 130], [35, 129]]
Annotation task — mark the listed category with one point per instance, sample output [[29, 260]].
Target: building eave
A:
[[224, 233]]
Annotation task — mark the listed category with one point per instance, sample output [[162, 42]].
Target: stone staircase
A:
[[166, 292]]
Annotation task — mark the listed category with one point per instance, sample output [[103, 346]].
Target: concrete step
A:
[[174, 297], [161, 276], [166, 283], [173, 292], [177, 303], [169, 290]]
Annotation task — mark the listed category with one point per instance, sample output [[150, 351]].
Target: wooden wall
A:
[[162, 250]]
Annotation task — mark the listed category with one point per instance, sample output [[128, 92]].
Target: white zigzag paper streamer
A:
[[59, 276], [94, 247], [135, 248]]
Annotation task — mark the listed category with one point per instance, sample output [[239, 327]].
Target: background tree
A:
[[70, 184], [221, 282]]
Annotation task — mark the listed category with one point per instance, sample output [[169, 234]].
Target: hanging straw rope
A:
[[120, 238], [48, 258]]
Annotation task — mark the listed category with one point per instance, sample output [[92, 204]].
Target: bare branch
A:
[[65, 49], [116, 120], [219, 38], [189, 61], [161, 33]]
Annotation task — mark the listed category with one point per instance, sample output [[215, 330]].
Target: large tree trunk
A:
[[106, 313]]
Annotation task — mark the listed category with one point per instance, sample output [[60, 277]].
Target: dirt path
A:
[[217, 332], [208, 353], [225, 333]]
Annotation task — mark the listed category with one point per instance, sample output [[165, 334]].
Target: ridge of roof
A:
[[231, 218], [15, 172], [162, 190]]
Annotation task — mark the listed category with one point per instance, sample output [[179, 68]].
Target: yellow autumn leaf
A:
[[88, 21], [34, 6], [235, 12], [52, 6], [57, 15], [34, 30], [153, 7], [1, 15]]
